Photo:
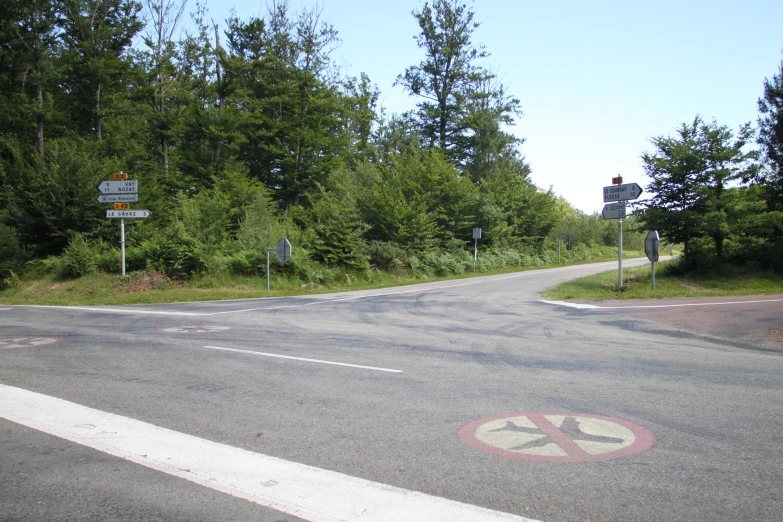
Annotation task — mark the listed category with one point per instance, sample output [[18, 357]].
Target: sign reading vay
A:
[[128, 186], [622, 192]]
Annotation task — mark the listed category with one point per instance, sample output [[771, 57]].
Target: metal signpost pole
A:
[[122, 244], [620, 193], [652, 268], [619, 253]]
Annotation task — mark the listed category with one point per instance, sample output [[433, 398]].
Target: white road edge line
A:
[[483, 279], [278, 356], [307, 492], [594, 307], [569, 305], [114, 310]]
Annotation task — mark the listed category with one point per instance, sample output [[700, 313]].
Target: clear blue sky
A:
[[596, 79]]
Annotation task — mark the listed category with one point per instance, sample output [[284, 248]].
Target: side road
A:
[[752, 321]]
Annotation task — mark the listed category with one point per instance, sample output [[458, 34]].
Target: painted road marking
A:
[[195, 329], [307, 492], [581, 306], [6, 309], [278, 356], [595, 307], [556, 437], [27, 342]]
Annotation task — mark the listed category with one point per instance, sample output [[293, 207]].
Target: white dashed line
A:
[[307, 492], [278, 356]]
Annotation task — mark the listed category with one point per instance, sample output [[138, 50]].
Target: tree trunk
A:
[[39, 112], [218, 72], [98, 111]]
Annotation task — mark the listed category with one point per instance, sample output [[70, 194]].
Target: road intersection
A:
[[384, 405]]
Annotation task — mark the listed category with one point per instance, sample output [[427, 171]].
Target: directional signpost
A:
[[622, 192], [118, 198], [619, 192], [614, 211], [128, 214], [128, 186], [120, 191]]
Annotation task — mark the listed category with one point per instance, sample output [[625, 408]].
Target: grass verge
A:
[[637, 284], [151, 288]]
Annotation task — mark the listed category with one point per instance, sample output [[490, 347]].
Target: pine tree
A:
[[460, 99], [771, 137]]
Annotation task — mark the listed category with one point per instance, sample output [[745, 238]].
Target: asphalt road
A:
[[446, 396]]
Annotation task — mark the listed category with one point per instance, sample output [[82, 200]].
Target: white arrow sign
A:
[[118, 198], [622, 192], [128, 214], [125, 186], [614, 211]]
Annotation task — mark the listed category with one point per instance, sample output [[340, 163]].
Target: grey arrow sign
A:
[[118, 198], [614, 211], [622, 192], [125, 186], [283, 250], [128, 214]]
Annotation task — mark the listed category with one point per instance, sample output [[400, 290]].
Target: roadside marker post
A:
[[651, 246], [476, 237], [283, 251], [619, 192]]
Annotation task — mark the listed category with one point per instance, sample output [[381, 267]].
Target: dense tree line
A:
[[244, 132], [720, 193]]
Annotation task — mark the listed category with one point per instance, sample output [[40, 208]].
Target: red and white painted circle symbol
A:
[[556, 437], [195, 329], [27, 342]]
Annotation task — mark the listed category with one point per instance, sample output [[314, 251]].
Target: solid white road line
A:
[[676, 305], [689, 304], [304, 359], [570, 305], [310, 493], [482, 280]]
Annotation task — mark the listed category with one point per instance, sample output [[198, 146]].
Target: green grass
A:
[[637, 284], [137, 288]]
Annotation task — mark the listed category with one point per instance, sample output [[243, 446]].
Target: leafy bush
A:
[[384, 255], [9, 279], [247, 262], [174, 253], [10, 253], [79, 258]]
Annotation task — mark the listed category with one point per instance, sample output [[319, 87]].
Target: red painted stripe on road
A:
[[561, 439]]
